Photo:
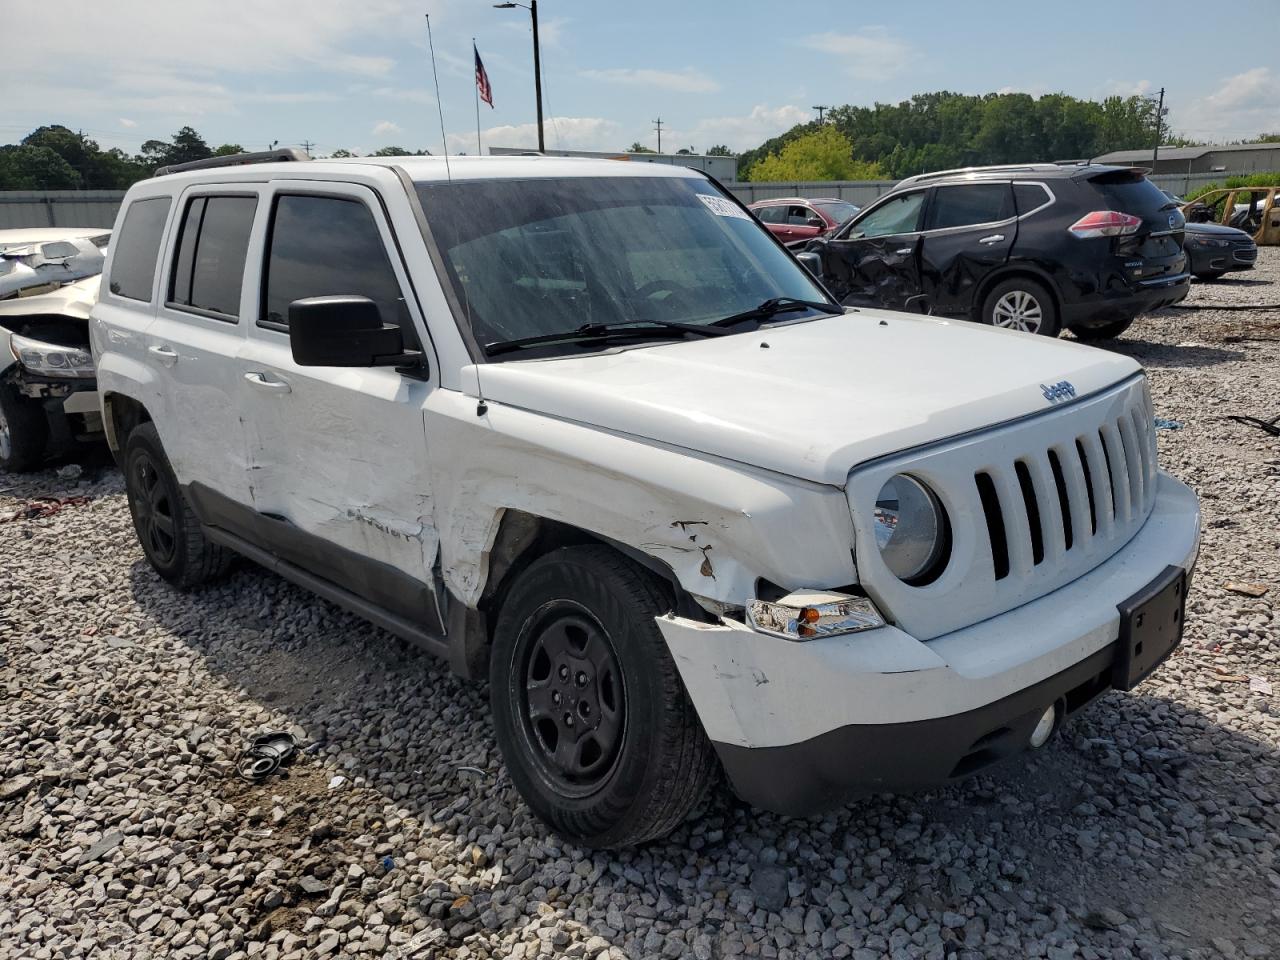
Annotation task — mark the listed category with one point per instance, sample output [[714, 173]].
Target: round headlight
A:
[[910, 527]]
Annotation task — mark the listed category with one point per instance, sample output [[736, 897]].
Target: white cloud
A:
[[562, 133], [870, 53], [385, 128], [738, 133], [405, 94], [1127, 88], [1242, 106], [687, 80], [126, 122], [550, 32]]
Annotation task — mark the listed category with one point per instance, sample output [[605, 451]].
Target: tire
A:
[[1104, 332], [1021, 304], [593, 722], [1211, 275], [24, 431], [167, 528]]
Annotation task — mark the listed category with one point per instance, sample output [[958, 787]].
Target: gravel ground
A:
[[1149, 829]]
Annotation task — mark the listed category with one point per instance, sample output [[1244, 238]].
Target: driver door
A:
[[875, 260]]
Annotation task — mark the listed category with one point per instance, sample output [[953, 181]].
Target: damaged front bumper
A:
[[801, 727]]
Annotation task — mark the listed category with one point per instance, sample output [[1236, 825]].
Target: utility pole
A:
[[1155, 154], [537, 62], [821, 110], [307, 145], [659, 129]]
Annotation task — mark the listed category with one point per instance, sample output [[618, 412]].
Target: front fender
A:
[[718, 525]]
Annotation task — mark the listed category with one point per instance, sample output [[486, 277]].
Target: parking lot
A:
[[1147, 829]]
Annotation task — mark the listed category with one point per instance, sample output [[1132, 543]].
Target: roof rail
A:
[[1008, 167], [282, 155]]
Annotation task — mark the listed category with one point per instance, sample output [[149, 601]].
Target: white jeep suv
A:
[[584, 427]]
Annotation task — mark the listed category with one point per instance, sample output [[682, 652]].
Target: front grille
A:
[[1046, 503], [1032, 506], [1244, 254]]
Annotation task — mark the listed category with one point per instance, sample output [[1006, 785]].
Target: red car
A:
[[800, 218]]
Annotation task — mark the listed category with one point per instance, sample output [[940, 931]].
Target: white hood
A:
[[822, 397]]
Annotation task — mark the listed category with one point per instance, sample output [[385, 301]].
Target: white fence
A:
[[97, 208]]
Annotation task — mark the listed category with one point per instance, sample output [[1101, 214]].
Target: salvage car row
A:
[[587, 429]]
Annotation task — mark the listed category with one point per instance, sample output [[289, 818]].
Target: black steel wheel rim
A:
[[572, 700], [153, 509]]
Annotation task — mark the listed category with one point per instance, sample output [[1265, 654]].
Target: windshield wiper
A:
[[772, 307], [603, 331]]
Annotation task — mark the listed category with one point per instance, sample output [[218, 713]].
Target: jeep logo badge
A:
[[1056, 393]]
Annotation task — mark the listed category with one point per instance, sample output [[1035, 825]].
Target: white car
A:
[[585, 428], [48, 395], [37, 260]]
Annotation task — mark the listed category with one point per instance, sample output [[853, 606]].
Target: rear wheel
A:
[[593, 722], [167, 528], [1104, 332], [1021, 304], [24, 431]]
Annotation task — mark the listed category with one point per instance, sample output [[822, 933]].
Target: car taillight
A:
[[1105, 223]]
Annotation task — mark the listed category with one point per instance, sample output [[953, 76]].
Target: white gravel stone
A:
[[1148, 829]]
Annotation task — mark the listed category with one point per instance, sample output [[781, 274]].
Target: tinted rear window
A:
[[133, 268], [970, 204], [1131, 193], [209, 268]]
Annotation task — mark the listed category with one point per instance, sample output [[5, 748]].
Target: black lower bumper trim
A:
[[832, 768]]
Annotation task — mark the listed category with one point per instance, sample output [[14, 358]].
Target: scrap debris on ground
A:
[[1148, 829]]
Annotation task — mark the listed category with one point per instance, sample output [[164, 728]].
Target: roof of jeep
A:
[[434, 169]]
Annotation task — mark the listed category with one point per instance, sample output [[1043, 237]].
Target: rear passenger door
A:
[[194, 345], [338, 459], [969, 230]]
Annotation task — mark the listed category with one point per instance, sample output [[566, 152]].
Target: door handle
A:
[[903, 251], [167, 355], [260, 380], [994, 238]]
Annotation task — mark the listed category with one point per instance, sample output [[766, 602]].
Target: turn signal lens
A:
[[809, 615]]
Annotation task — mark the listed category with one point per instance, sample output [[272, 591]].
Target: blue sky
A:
[[355, 73]]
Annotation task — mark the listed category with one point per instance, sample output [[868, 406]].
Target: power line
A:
[[307, 145]]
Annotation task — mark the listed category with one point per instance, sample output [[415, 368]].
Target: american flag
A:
[[482, 79]]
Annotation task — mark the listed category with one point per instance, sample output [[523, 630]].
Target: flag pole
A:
[[479, 148]]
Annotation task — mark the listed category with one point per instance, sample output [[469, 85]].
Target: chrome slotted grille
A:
[[1032, 506]]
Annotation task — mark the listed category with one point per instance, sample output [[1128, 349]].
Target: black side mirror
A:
[[343, 331], [816, 222]]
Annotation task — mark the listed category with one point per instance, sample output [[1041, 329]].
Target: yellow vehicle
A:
[[1255, 210]]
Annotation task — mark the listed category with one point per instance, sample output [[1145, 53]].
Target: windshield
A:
[[837, 210], [528, 258]]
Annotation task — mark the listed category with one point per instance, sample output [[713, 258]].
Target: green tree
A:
[[338, 154], [228, 150], [824, 154], [719, 150], [392, 152], [639, 147], [24, 167]]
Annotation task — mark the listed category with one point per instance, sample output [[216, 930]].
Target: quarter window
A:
[[208, 271], [970, 205], [1029, 196], [898, 215], [133, 265], [774, 214], [329, 246]]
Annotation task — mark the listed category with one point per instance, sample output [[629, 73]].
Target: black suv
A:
[[1038, 247]]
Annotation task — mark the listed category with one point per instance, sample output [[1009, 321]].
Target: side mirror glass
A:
[[342, 331], [816, 222]]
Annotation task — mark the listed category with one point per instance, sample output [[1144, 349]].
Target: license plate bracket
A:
[[1151, 623]]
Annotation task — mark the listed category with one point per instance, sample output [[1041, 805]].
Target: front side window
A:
[[544, 256], [133, 265], [900, 214], [208, 270], [328, 246], [970, 204], [799, 216]]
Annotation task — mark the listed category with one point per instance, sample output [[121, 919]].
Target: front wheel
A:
[[593, 722], [1103, 332], [1021, 304], [24, 431], [1211, 275]]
